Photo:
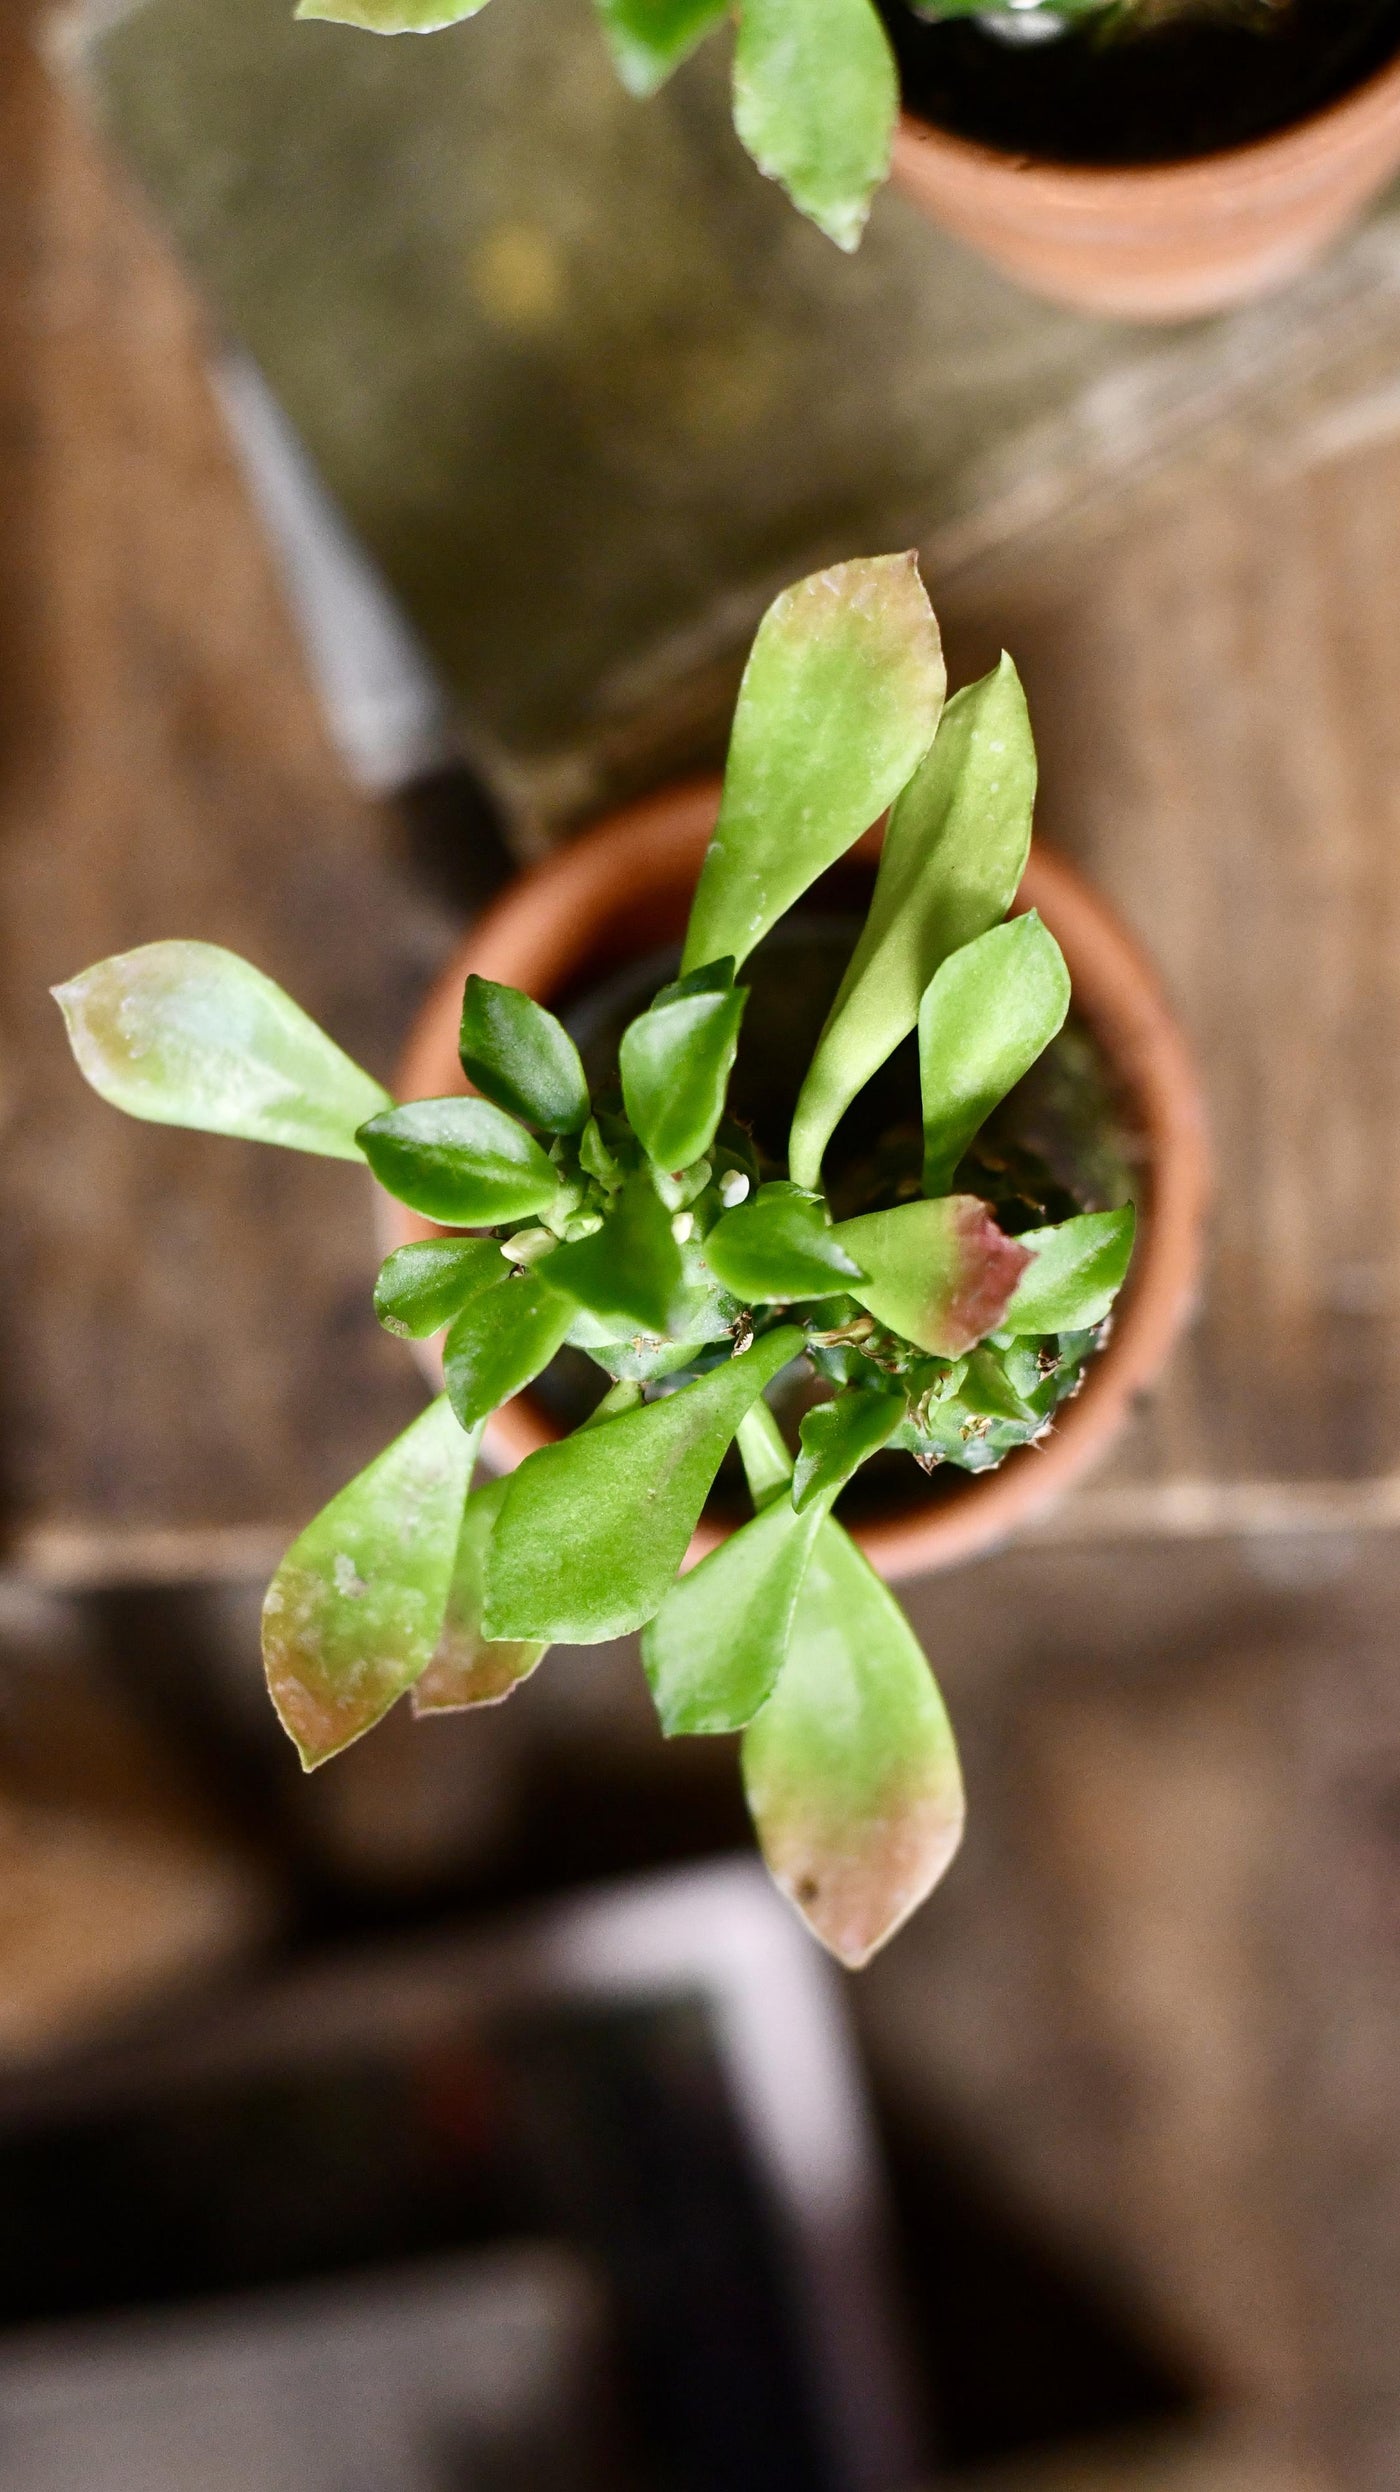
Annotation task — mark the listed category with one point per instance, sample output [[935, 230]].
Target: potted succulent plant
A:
[[914, 1279], [1153, 158]]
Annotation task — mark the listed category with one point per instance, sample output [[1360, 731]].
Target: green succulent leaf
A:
[[713, 977], [354, 1611], [713, 1651], [778, 1247], [837, 1437], [420, 1288], [675, 1062], [465, 1670], [838, 705], [461, 1161], [392, 17], [850, 1770], [988, 1391], [500, 1342], [954, 853], [188, 1034], [987, 1014], [1078, 1269], [518, 1055], [941, 1274], [631, 1270], [650, 38], [816, 93], [593, 1530], [596, 1159]]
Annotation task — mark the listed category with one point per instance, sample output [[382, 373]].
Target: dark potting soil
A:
[[1095, 95], [1058, 1145]]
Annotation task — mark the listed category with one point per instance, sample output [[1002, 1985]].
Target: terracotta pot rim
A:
[[535, 933], [1257, 162]]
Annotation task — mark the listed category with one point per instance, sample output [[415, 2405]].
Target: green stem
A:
[[767, 1462]]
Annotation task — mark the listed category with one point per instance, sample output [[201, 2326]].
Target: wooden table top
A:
[[189, 1360]]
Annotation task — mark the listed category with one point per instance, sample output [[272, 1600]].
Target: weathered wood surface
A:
[[1157, 1994], [189, 1361]]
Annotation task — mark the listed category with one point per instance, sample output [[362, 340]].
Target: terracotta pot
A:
[[1162, 242], [624, 889]]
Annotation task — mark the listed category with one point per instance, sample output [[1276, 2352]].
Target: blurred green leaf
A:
[[987, 1014], [520, 1056], [816, 92], [465, 1670], [593, 1530], [461, 1161], [850, 1769], [954, 853], [391, 17], [1079, 1268], [838, 704], [500, 1341], [837, 1437], [650, 38], [675, 1062], [420, 1288], [188, 1034], [779, 1246], [941, 1274], [354, 1611], [714, 1649]]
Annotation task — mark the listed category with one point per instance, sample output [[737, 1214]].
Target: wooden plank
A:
[[186, 1337]]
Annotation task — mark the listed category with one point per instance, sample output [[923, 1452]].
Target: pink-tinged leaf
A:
[[850, 1770], [466, 1670], [941, 1274], [354, 1611]]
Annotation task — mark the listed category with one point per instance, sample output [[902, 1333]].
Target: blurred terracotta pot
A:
[[623, 889], [1162, 242]]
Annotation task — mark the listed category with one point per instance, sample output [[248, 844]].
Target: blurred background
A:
[[398, 444]]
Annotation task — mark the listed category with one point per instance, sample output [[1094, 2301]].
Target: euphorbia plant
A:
[[644, 1226]]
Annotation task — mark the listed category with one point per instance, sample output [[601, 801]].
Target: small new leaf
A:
[[850, 1769], [420, 1288], [188, 1034], [593, 1530], [940, 1274], [500, 1342], [675, 1062], [838, 705], [778, 1247], [986, 1015], [461, 1161], [816, 92], [465, 1670], [354, 1611], [1077, 1270], [837, 1437], [522, 1057]]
